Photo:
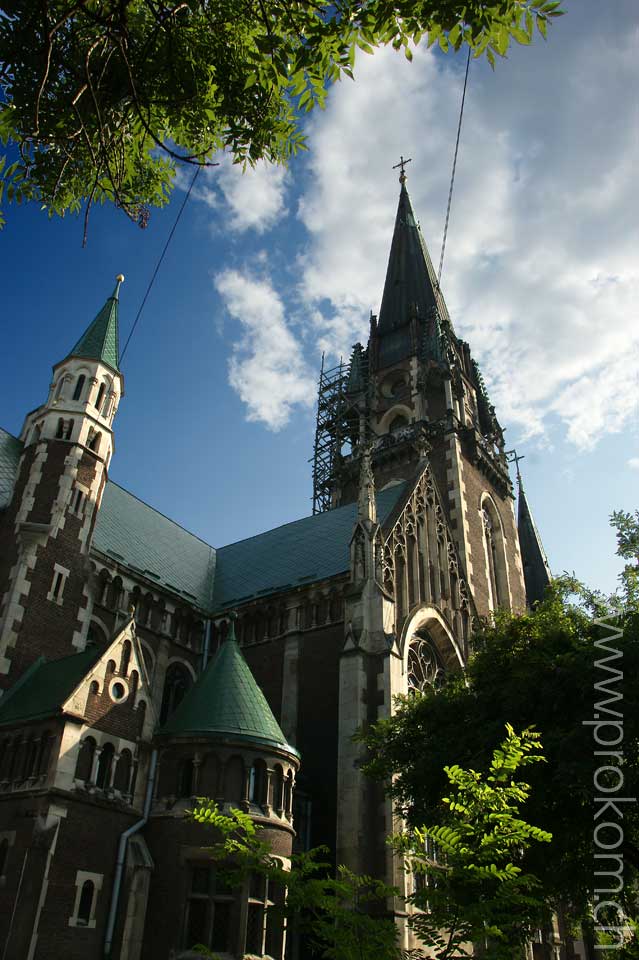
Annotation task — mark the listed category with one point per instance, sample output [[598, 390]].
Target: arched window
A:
[[94, 442], [60, 429], [176, 682], [79, 387], [86, 903], [69, 430], [233, 779], [31, 759], [44, 754], [58, 392], [491, 553], [288, 794], [496, 569], [397, 423], [84, 764], [278, 789], [95, 635], [35, 435], [114, 594], [123, 772], [126, 657], [425, 668], [105, 763], [185, 778], [257, 782], [100, 396]]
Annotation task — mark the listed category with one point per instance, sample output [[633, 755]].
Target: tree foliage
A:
[[475, 889], [341, 917], [104, 97], [556, 669]]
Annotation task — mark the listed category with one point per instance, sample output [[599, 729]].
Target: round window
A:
[[118, 691]]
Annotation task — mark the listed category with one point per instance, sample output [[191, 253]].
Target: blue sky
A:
[[268, 269]]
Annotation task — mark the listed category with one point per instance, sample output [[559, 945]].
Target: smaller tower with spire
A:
[[67, 447]]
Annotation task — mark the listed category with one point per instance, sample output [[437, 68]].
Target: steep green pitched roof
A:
[[44, 687], [10, 453], [227, 702], [304, 551], [100, 340], [136, 535]]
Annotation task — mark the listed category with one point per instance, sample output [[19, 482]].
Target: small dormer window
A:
[[79, 387]]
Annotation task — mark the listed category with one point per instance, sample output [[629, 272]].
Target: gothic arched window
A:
[[491, 552], [425, 668], [85, 759], [79, 387], [100, 396], [397, 423], [176, 682], [105, 764]]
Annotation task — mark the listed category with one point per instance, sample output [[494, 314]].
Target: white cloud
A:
[[633, 463], [253, 199], [540, 274], [267, 368]]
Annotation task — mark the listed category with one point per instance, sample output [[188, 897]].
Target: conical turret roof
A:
[[100, 341], [227, 702], [537, 574]]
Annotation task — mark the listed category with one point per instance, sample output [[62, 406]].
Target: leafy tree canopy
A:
[[474, 888], [556, 669], [342, 917], [104, 97]]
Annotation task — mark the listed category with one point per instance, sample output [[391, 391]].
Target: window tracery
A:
[[425, 669]]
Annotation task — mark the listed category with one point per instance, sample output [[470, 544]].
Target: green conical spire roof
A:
[[227, 702], [100, 340]]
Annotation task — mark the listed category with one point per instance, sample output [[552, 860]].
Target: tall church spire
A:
[[100, 341], [537, 574], [411, 287]]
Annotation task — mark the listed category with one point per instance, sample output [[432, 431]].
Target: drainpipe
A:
[[206, 645], [124, 840]]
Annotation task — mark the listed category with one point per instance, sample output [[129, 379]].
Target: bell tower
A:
[[45, 588], [416, 392]]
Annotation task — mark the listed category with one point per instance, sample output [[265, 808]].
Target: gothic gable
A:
[[115, 694]]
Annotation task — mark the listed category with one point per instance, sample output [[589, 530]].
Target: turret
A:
[[67, 444]]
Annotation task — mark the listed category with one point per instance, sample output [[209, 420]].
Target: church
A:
[[141, 667]]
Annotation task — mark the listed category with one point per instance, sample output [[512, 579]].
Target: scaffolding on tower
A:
[[337, 425]]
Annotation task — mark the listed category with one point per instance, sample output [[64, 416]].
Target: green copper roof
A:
[[304, 551], [100, 340], [44, 687], [139, 537], [10, 453], [227, 702], [134, 534]]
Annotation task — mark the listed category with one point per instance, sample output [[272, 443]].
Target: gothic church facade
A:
[[141, 667]]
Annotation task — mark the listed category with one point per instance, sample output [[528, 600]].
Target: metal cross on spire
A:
[[402, 163], [513, 457]]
